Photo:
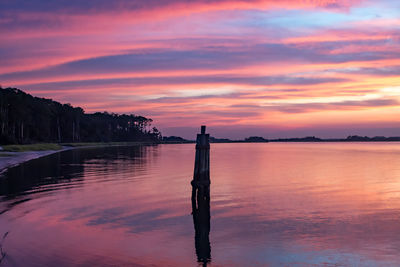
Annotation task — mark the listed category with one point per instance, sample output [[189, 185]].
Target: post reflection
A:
[[201, 221]]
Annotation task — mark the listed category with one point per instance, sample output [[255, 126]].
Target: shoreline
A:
[[12, 159]]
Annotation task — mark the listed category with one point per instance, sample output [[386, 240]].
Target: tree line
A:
[[28, 119]]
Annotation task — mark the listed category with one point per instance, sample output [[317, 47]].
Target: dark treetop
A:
[[28, 119]]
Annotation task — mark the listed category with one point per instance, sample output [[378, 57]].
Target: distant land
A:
[[258, 139]]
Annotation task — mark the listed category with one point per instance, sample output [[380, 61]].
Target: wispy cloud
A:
[[278, 64]]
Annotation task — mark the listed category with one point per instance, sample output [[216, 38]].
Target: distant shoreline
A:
[[308, 139], [276, 141]]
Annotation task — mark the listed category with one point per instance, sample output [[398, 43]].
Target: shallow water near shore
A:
[[272, 204]]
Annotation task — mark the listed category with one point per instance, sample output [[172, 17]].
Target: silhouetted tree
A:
[[27, 119]]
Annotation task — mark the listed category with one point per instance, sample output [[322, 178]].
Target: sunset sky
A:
[[290, 68]]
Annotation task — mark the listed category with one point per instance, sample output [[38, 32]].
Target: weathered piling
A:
[[201, 176], [201, 197]]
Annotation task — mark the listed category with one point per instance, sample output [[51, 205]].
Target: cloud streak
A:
[[261, 63]]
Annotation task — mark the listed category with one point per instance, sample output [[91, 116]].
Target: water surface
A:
[[272, 204]]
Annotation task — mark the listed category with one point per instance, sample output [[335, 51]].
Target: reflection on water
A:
[[201, 221], [329, 204], [64, 170]]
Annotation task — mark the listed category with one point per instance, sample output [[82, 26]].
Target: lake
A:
[[272, 204]]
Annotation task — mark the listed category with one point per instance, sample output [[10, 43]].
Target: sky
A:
[[328, 68]]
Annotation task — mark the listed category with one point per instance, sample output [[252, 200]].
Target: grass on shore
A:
[[94, 144], [31, 147], [54, 146]]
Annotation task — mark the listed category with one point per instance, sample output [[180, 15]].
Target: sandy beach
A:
[[10, 159]]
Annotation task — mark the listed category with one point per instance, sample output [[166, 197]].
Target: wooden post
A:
[[201, 197], [201, 176]]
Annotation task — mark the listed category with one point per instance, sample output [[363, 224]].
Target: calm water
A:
[[330, 204]]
